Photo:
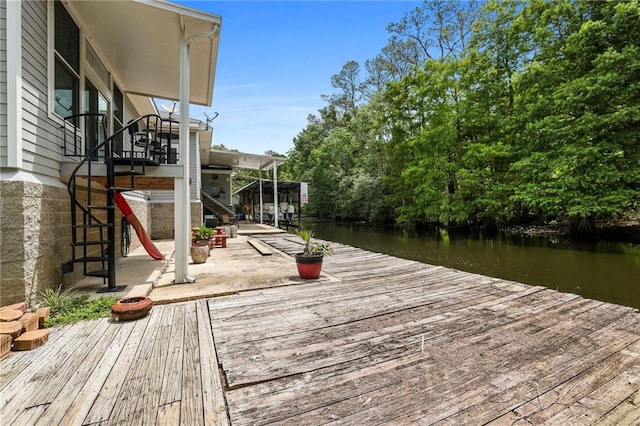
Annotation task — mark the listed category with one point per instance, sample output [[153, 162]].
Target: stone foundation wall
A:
[[35, 239], [142, 210], [162, 219]]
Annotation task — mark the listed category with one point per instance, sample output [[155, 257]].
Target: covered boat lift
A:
[[256, 190], [220, 160]]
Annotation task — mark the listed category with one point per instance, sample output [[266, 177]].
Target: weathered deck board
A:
[[215, 413], [318, 314], [192, 407], [171, 390], [384, 341], [402, 376], [63, 397], [17, 368], [43, 384], [157, 370], [88, 393], [605, 374], [133, 384], [628, 412], [110, 392], [435, 346]]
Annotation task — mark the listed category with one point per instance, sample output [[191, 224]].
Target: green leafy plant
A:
[[201, 233], [312, 247], [68, 307]]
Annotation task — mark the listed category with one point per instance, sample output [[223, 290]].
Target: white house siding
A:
[[35, 219], [194, 166], [3, 83], [41, 135], [194, 175]]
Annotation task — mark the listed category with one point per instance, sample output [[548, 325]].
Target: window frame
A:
[[106, 89], [54, 57]]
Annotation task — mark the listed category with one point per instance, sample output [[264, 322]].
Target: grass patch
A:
[[68, 307]]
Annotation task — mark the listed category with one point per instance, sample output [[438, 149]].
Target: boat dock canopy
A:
[[217, 159], [267, 186]]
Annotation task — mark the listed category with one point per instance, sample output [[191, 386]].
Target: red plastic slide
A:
[[133, 221]]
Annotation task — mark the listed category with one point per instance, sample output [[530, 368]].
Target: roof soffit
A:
[[233, 159], [140, 42]]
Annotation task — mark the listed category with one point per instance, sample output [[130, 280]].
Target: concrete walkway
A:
[[238, 267], [138, 272]]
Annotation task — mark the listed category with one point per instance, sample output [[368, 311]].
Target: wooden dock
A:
[[158, 370], [386, 341]]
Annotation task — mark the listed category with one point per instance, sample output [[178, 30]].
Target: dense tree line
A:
[[484, 114]]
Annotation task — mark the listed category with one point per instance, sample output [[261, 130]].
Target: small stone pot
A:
[[199, 254]]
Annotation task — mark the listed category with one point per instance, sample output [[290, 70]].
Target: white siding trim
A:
[[14, 84], [51, 64], [24, 176], [194, 166]]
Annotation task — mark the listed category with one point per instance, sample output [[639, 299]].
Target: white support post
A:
[[14, 83], [261, 200], [182, 202], [276, 204]]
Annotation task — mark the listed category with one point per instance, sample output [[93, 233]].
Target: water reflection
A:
[[603, 271]]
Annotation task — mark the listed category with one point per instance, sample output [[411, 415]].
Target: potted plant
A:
[[200, 237], [309, 262]]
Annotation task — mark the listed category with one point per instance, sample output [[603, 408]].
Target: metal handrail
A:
[[73, 120], [88, 217]]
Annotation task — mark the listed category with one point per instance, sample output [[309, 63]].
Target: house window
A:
[[118, 119], [67, 63], [97, 105]]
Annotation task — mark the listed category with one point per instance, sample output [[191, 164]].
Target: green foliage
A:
[[512, 111], [312, 247], [201, 233], [68, 307]]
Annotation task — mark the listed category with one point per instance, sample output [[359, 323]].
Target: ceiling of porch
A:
[[140, 41]]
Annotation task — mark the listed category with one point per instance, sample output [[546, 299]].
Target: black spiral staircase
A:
[[127, 152]]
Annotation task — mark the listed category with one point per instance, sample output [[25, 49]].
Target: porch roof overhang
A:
[[231, 160], [140, 40]]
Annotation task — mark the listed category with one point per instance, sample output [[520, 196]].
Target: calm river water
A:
[[602, 271]]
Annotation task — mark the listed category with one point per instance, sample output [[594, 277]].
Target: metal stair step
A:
[[129, 173], [102, 273], [91, 259], [101, 207], [90, 243], [93, 225]]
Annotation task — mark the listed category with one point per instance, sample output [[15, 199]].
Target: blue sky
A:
[[276, 59]]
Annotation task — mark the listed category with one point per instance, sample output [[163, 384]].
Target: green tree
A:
[[583, 130]]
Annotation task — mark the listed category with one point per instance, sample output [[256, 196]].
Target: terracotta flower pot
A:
[[309, 267], [131, 308]]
